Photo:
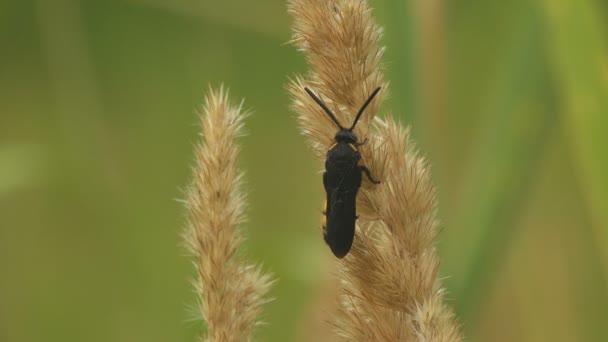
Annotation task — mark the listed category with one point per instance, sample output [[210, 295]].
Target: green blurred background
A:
[[508, 99]]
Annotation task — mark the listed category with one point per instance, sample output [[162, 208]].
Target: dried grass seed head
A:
[[231, 292]]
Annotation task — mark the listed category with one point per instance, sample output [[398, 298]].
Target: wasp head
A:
[[346, 136]]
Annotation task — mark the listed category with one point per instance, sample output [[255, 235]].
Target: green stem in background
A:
[[400, 22], [578, 44], [502, 170], [430, 50], [72, 71], [574, 31], [498, 215], [593, 302]]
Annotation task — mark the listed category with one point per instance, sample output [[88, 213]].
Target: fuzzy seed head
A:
[[230, 291], [390, 289]]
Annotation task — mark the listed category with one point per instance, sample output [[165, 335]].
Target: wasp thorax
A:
[[346, 136]]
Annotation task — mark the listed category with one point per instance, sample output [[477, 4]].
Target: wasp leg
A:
[[369, 175], [361, 143]]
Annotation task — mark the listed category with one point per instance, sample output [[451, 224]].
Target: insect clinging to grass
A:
[[342, 180]]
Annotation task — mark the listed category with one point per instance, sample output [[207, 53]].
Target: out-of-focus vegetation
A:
[[509, 100]]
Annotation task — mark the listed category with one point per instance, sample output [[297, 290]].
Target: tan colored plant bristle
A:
[[340, 40], [390, 285], [230, 291]]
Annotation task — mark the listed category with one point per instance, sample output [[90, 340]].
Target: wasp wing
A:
[[340, 223]]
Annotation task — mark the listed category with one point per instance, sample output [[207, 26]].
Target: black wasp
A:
[[342, 179]]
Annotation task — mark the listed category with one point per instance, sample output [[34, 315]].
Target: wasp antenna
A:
[[371, 97], [317, 100]]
